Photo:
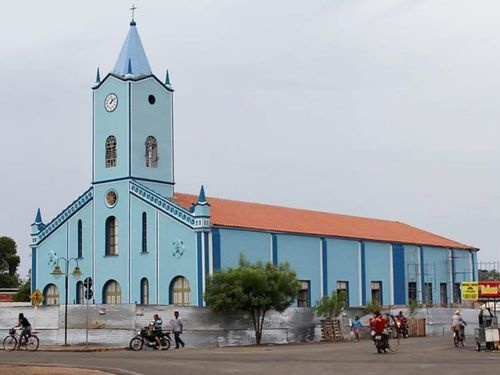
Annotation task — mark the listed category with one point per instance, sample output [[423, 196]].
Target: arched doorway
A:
[[51, 295], [111, 293], [180, 292]]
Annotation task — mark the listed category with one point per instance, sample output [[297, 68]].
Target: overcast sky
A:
[[380, 108]]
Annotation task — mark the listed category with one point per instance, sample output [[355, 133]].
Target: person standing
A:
[[177, 329]]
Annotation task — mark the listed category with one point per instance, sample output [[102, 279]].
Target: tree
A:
[[485, 275], [330, 306], [254, 288], [24, 292], [9, 261]]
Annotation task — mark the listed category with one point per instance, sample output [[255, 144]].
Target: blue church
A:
[[140, 241]]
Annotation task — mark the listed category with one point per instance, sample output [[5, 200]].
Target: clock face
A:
[[110, 102], [111, 198]]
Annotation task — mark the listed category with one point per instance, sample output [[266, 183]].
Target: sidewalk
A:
[[76, 348], [80, 348]]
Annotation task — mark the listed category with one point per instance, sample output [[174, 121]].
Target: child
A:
[[356, 327]]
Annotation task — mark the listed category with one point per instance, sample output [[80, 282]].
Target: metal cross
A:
[[133, 8]]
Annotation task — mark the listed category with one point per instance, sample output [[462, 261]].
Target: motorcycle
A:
[[381, 341], [145, 336], [400, 328]]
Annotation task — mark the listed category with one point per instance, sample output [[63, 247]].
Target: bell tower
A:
[[132, 124]]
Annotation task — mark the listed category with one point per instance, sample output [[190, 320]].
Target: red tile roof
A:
[[246, 215]]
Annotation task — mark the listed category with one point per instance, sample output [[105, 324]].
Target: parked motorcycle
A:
[[145, 336]]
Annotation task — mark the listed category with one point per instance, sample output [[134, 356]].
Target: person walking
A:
[[177, 330], [356, 327]]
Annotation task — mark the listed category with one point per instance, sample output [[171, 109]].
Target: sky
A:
[[379, 108]]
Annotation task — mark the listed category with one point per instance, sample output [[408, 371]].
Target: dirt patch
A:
[[47, 370]]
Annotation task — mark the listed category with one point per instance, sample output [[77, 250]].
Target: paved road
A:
[[431, 355]]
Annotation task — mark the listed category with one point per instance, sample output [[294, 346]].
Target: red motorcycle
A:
[[400, 328]]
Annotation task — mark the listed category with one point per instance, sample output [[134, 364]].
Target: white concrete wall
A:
[[116, 324]]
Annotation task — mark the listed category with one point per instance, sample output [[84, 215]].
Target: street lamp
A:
[[57, 273]]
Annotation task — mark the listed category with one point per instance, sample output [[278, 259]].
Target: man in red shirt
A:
[[378, 324]]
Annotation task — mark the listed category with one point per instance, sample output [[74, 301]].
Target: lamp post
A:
[[57, 272]]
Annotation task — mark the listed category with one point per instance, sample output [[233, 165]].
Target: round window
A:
[[111, 198], [151, 99]]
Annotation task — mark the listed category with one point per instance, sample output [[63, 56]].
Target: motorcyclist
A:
[[458, 324], [378, 324], [157, 324], [401, 318], [403, 324]]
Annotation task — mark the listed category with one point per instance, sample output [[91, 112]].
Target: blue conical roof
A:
[[201, 196], [132, 60], [38, 217]]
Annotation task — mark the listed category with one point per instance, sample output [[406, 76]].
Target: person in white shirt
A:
[[177, 330]]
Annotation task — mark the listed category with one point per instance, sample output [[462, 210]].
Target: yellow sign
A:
[[470, 291], [37, 297]]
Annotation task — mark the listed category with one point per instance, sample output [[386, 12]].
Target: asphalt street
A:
[[413, 356]]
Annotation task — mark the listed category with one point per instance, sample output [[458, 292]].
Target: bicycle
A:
[[13, 341], [459, 337]]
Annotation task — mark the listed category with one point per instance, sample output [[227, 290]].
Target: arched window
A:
[[144, 291], [180, 291], [111, 151], [144, 232], [112, 293], [79, 293], [151, 152], [80, 239], [111, 236], [51, 294]]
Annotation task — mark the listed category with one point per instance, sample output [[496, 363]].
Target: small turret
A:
[[202, 207], [38, 224], [97, 78]]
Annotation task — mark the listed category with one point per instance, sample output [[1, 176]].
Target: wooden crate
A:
[[416, 327], [330, 330]]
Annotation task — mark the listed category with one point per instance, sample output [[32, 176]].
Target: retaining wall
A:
[[116, 324]]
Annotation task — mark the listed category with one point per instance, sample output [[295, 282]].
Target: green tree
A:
[[485, 275], [254, 288], [330, 306], [24, 292], [372, 306], [9, 261]]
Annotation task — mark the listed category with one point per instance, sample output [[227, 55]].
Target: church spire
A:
[[38, 217], [201, 197], [38, 225], [132, 55], [97, 77]]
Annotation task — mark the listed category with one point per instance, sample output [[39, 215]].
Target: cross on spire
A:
[[133, 8]]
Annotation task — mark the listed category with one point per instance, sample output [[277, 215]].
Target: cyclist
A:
[[458, 325], [26, 326]]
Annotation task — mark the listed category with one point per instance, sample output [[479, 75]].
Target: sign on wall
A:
[[470, 291], [489, 289]]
